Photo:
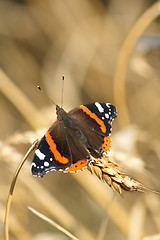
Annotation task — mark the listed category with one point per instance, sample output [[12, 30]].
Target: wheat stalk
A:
[[110, 172]]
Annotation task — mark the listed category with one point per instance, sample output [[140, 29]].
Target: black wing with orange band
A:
[[59, 150], [95, 122]]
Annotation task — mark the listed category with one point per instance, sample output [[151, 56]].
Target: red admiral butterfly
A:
[[76, 136]]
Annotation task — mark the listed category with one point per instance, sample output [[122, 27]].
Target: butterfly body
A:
[[76, 136]]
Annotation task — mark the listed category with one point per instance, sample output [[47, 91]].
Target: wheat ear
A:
[[110, 172]]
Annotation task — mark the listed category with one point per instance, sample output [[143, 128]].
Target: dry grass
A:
[[108, 52]]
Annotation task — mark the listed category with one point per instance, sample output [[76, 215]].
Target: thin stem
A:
[[50, 221], [10, 195]]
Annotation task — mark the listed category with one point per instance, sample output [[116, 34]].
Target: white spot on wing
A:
[[46, 164], [33, 164], [108, 105], [39, 154], [106, 115], [100, 108]]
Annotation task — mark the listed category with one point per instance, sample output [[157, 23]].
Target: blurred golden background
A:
[[108, 51]]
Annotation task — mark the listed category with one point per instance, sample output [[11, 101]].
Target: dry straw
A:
[[123, 59], [53, 223]]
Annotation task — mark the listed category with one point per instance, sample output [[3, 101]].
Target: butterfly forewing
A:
[[59, 149], [95, 122], [47, 156]]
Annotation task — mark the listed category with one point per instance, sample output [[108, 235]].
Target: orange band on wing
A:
[[93, 115], [107, 144], [53, 148], [77, 166]]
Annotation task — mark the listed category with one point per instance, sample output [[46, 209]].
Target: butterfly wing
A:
[[58, 150], [95, 122]]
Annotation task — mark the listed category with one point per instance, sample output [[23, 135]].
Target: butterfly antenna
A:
[[45, 95], [62, 91]]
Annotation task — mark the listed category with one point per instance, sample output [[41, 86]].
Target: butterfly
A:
[[74, 138]]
